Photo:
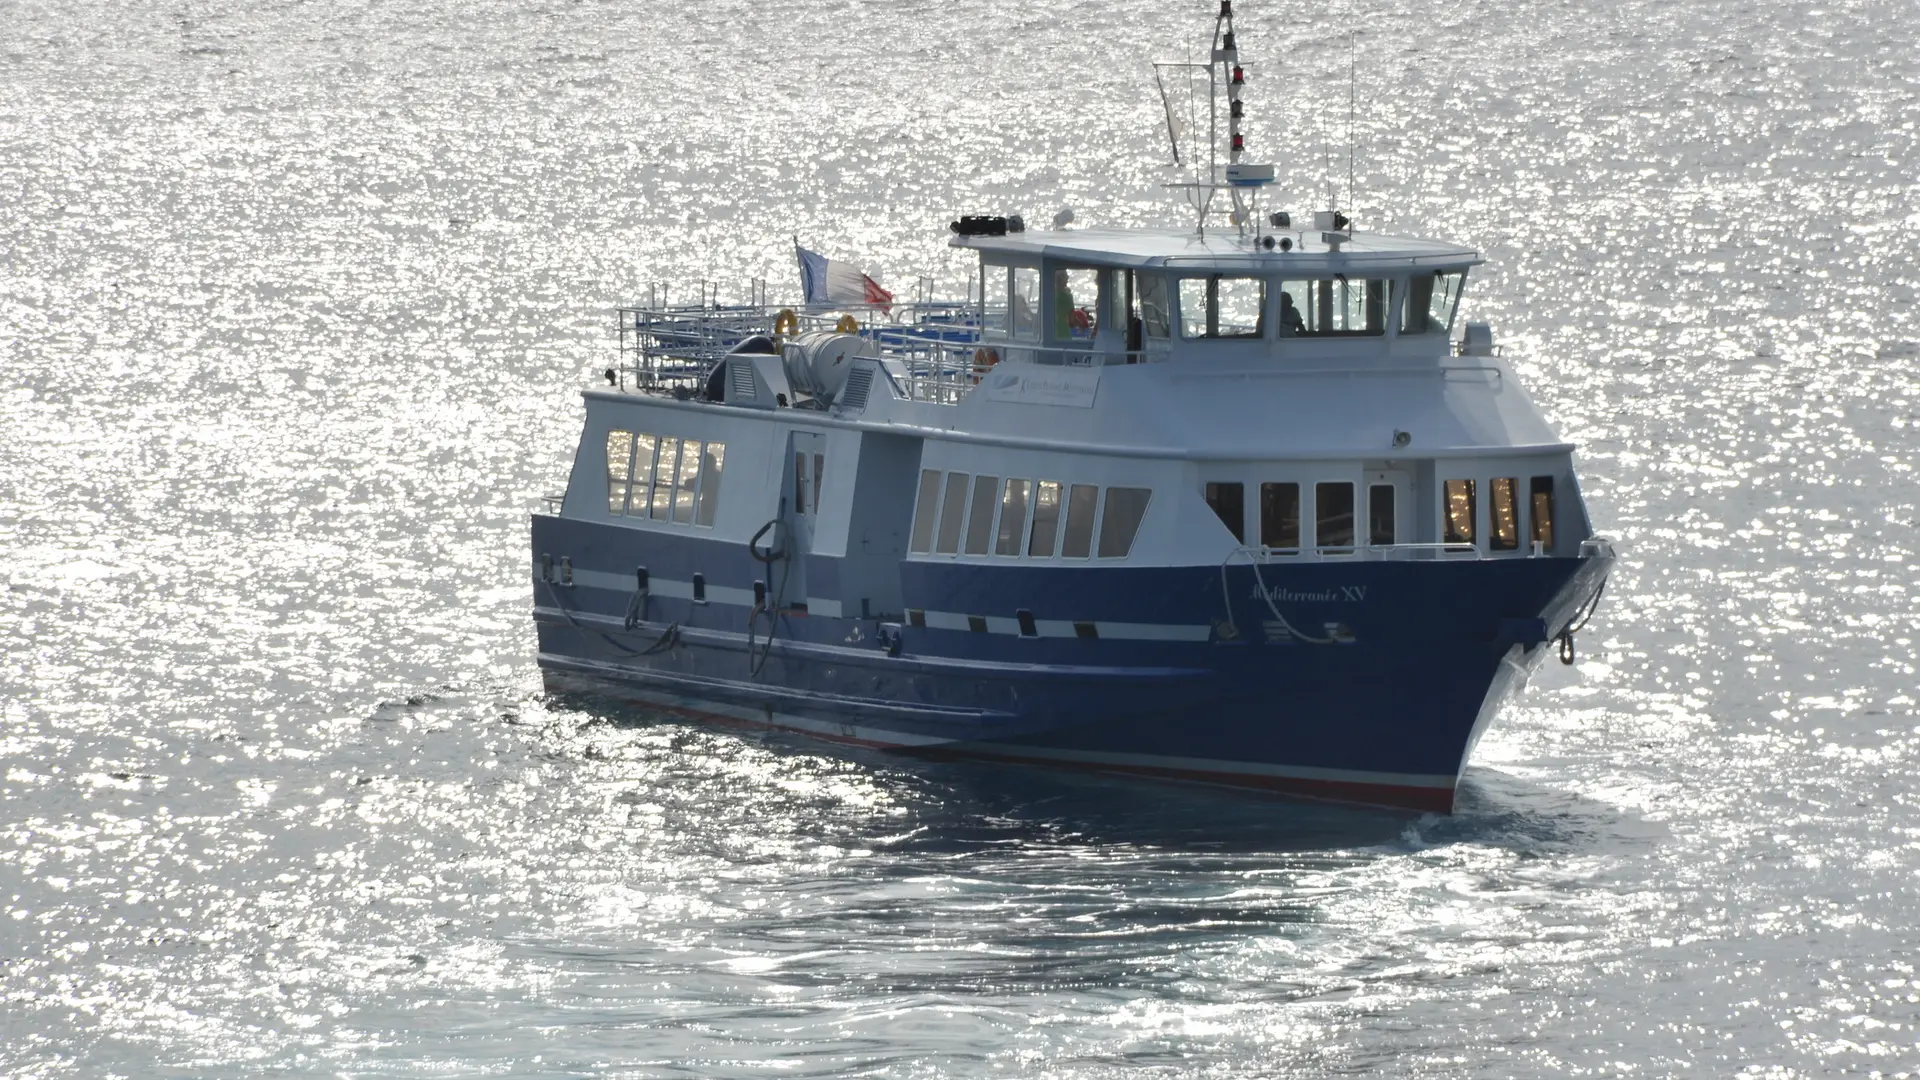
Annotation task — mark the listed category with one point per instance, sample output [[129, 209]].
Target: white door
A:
[[805, 478], [1386, 508]]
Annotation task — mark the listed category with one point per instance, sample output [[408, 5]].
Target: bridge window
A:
[[1503, 515], [1046, 519], [1076, 304], [1156, 310], [1280, 515], [1218, 306], [980, 521], [995, 287], [1013, 518], [1431, 302], [1082, 500], [1229, 501], [952, 511], [1540, 490], [1120, 520], [1380, 524], [926, 509], [1457, 512], [1025, 322], [1333, 514], [619, 469], [1333, 307]]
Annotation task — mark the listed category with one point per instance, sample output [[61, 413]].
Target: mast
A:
[[1223, 68]]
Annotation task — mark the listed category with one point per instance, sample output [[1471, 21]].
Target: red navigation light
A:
[[1239, 142], [1239, 76]]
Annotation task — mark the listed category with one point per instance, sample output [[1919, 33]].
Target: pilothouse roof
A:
[[1310, 253]]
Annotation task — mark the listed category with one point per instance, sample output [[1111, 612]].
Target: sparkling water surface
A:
[[297, 302]]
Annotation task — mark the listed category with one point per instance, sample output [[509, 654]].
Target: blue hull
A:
[[1166, 671]]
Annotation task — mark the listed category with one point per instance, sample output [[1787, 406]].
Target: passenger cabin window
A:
[[713, 460], [1229, 501], [1218, 306], [619, 469], [1013, 518], [953, 509], [665, 479], [1082, 499], [1380, 524], [986, 489], [1333, 307], [1120, 520], [800, 485], [1431, 302], [965, 518], [1333, 514], [1046, 519], [926, 509], [1280, 515], [1457, 512], [1541, 496], [1503, 515]]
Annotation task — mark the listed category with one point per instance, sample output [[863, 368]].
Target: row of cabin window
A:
[[1505, 510], [1006, 517], [1334, 522], [663, 478], [1213, 305], [1279, 513]]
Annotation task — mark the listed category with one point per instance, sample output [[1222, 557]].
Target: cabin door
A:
[[1388, 508], [806, 464]]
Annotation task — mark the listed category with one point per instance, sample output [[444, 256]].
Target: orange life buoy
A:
[[785, 323]]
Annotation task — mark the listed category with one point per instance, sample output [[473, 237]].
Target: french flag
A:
[[829, 281]]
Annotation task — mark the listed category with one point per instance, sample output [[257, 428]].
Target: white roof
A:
[[1224, 249]]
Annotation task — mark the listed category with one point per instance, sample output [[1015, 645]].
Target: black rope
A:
[[1578, 623]]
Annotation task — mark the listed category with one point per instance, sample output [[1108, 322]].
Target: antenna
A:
[[1353, 98]]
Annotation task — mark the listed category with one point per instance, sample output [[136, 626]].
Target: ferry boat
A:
[[1240, 503]]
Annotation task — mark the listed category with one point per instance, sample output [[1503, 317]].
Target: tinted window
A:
[[1541, 490], [1081, 501], [686, 479], [1229, 501], [953, 509], [1457, 512], [1503, 515], [1280, 515], [1046, 518], [1333, 515], [925, 510], [980, 521], [643, 451], [1013, 518], [1121, 520], [1380, 524]]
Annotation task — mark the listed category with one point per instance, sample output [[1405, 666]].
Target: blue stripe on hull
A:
[[1389, 717]]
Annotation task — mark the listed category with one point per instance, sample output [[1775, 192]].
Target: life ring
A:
[[786, 324], [847, 325], [983, 361]]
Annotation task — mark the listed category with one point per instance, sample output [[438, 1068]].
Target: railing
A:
[[1381, 552], [933, 350]]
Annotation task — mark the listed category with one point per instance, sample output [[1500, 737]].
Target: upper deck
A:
[[1308, 252]]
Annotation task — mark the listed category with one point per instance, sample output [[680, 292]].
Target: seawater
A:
[[297, 302]]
